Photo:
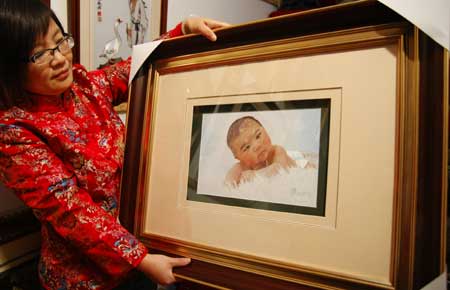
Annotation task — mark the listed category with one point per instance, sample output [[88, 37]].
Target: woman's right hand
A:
[[203, 26], [159, 267]]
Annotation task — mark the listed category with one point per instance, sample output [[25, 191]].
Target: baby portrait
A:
[[251, 145], [269, 156]]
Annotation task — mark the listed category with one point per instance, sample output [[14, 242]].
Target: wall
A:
[[95, 34], [60, 9]]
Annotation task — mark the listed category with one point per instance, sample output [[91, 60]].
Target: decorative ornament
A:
[[99, 11]]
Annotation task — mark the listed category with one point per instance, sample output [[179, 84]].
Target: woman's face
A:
[[54, 77]]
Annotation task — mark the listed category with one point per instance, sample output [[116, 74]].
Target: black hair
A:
[[22, 23], [233, 131]]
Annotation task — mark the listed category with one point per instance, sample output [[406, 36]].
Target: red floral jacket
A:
[[63, 157]]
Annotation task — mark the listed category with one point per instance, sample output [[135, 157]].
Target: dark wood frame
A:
[[163, 20], [73, 16], [422, 169]]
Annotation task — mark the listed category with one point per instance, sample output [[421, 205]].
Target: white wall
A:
[[86, 35], [231, 11], [93, 38], [60, 9]]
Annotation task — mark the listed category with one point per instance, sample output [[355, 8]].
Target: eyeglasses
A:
[[46, 56]]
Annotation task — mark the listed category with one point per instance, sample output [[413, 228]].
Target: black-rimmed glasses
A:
[[46, 55]]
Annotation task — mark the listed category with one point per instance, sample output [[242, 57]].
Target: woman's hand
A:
[[159, 267], [203, 26]]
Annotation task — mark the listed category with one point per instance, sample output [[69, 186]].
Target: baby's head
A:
[[249, 142]]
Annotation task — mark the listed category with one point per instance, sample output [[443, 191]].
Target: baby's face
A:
[[252, 146]]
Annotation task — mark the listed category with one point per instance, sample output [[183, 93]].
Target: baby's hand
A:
[[310, 164], [290, 163], [247, 176]]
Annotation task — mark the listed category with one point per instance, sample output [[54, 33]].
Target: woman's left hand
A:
[[203, 26]]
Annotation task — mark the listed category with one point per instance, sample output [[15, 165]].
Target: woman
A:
[[61, 151]]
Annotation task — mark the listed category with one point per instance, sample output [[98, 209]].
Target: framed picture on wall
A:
[[112, 28], [117, 26], [288, 150]]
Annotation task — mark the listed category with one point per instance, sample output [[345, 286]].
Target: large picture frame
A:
[[384, 205]]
